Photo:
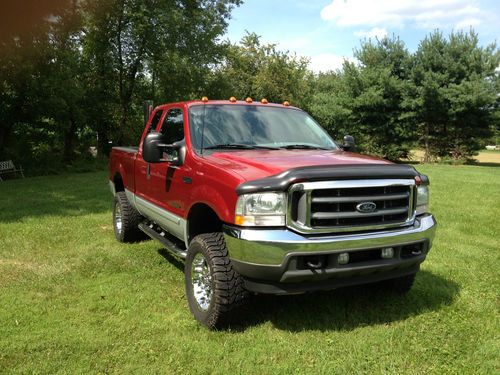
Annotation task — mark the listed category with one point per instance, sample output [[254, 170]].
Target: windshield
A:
[[255, 126]]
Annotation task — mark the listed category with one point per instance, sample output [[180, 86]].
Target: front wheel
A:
[[213, 288]]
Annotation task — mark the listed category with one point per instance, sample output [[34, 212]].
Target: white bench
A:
[[8, 167]]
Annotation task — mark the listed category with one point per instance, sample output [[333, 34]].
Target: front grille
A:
[[337, 206]]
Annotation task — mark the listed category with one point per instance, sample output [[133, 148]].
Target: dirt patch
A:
[[488, 157]]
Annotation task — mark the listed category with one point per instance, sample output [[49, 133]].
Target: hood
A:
[[256, 164]]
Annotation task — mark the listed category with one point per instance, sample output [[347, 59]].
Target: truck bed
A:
[[122, 162], [133, 149]]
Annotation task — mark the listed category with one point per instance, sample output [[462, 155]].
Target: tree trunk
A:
[[427, 155], [103, 145], [69, 141]]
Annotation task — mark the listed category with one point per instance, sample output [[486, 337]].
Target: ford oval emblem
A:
[[366, 207]]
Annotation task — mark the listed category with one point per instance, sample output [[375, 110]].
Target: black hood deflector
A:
[[283, 180]]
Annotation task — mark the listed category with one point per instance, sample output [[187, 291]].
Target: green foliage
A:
[[79, 79], [261, 71], [455, 94], [367, 100], [445, 96]]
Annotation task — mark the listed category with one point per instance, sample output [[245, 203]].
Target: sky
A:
[[327, 31]]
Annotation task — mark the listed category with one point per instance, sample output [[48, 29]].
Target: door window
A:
[[173, 126]]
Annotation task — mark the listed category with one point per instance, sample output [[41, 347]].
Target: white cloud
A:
[[469, 22], [375, 32], [327, 61], [423, 13]]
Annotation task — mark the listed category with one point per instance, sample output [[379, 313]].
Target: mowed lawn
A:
[[73, 300]]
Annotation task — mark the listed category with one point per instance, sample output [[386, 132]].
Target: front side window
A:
[[257, 126], [173, 126]]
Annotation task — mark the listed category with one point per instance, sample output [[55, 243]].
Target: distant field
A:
[[486, 156], [75, 301]]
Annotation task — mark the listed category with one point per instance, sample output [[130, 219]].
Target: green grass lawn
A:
[[73, 300]]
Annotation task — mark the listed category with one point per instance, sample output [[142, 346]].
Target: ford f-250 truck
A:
[[258, 198]]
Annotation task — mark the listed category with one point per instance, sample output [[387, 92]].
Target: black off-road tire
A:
[[227, 286], [130, 219], [400, 285]]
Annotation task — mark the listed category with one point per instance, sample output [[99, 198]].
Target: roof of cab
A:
[[192, 103]]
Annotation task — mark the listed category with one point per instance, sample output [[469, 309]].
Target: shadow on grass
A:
[[484, 164], [341, 309], [471, 164], [62, 195], [171, 259], [348, 308]]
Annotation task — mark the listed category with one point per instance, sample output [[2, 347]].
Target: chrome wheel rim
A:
[[118, 219], [201, 279]]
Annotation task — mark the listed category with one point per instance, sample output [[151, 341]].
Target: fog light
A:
[[343, 258], [387, 253]]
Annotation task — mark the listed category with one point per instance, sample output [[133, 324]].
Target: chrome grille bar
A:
[[358, 198], [344, 215], [331, 206]]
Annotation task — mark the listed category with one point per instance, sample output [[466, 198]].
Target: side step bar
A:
[[169, 245]]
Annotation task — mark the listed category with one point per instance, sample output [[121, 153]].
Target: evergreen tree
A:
[[454, 96]]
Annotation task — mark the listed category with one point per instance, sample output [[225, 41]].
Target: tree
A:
[[83, 72], [161, 49], [366, 100], [261, 71], [455, 94]]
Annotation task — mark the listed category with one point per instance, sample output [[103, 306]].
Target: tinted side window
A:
[[155, 121], [173, 126]]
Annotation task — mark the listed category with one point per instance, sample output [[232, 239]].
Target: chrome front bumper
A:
[[267, 254]]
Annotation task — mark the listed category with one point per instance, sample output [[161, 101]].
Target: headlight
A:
[[422, 199], [261, 209]]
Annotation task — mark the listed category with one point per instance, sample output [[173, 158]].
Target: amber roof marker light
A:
[[232, 99], [249, 100], [204, 99], [286, 103], [264, 101]]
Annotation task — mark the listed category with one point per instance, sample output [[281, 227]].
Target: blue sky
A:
[[326, 31]]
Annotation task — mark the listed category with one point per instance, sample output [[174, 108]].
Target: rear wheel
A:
[[126, 220], [213, 288]]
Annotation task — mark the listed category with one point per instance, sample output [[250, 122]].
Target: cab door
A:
[[172, 183], [144, 188]]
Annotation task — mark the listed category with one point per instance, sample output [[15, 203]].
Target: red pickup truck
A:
[[258, 198]]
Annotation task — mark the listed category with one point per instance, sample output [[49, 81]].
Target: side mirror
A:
[[349, 143], [154, 150]]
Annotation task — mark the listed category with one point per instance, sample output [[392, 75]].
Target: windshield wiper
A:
[[303, 147], [240, 146]]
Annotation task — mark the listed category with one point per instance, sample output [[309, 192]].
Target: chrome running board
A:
[[160, 236]]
